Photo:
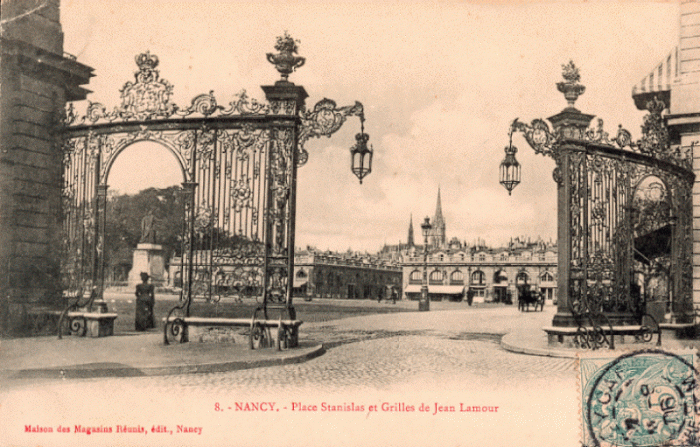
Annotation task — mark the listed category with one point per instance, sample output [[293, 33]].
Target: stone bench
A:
[[80, 322], [564, 336], [679, 331], [99, 324], [258, 333], [89, 324]]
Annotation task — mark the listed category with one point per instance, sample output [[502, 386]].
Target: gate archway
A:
[[144, 206], [239, 164], [134, 158]]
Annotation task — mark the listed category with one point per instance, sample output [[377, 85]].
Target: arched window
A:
[[500, 277], [522, 278], [436, 278], [547, 277], [416, 277], [301, 274], [478, 278], [457, 278]]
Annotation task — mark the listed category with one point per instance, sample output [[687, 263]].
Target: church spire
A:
[[438, 236], [411, 242], [438, 210]]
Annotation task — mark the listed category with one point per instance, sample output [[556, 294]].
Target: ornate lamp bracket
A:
[[325, 119], [538, 136]]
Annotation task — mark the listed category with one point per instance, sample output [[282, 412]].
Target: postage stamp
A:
[[643, 398]]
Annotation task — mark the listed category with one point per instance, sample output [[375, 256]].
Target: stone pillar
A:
[[188, 199], [683, 119], [287, 100], [101, 210], [36, 80], [572, 125]]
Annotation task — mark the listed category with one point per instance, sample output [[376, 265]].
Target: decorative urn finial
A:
[[571, 88], [285, 61]]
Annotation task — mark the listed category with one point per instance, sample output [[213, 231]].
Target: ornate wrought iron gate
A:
[[239, 167], [610, 231]]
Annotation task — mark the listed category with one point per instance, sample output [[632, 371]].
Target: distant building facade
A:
[[344, 275], [317, 274], [456, 270], [488, 274]]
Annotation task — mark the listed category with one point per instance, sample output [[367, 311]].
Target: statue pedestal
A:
[[149, 258]]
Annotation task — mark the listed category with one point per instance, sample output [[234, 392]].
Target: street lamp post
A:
[[424, 303]]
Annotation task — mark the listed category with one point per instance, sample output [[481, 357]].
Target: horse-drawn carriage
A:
[[528, 297]]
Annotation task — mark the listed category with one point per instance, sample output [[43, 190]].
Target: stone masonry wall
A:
[[685, 105], [35, 82]]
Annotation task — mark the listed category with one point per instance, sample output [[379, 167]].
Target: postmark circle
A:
[[644, 398]]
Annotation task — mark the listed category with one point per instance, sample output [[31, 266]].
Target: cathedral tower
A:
[[411, 241], [437, 238]]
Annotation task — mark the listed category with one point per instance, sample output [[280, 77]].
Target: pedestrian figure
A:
[[145, 300], [509, 297], [394, 295]]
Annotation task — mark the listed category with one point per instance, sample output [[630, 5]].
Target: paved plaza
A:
[[450, 356]]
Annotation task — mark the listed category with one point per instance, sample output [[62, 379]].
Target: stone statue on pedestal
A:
[[148, 231]]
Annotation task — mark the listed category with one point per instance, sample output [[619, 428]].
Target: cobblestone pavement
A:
[[376, 358], [405, 361], [384, 362]]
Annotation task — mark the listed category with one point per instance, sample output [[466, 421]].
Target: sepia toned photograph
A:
[[349, 223]]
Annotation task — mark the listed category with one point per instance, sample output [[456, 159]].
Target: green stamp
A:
[[644, 398]]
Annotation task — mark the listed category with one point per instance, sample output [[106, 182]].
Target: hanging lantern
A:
[[509, 175], [361, 155]]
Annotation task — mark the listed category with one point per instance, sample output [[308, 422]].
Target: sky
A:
[[440, 83]]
